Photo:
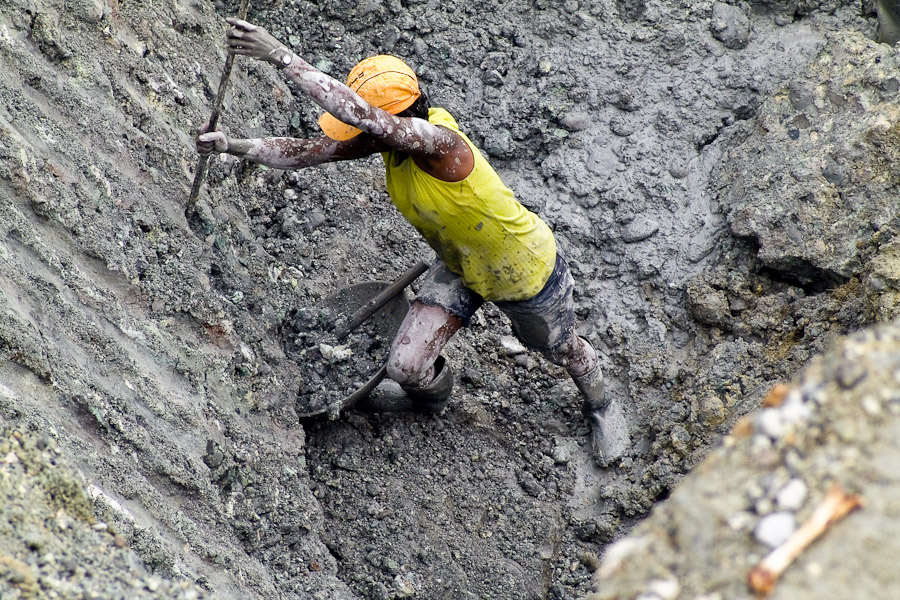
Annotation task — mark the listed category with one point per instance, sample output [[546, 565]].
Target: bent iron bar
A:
[[203, 163]]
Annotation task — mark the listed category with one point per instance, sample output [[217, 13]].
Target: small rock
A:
[[493, 78], [664, 589], [530, 485], [498, 142], [576, 121], [590, 561], [315, 219], [214, 456], [792, 496], [622, 126], [871, 405], [707, 304], [712, 411], [335, 354], [769, 422], [560, 454], [390, 565], [730, 25], [773, 530], [525, 361], [512, 346], [90, 11], [403, 587], [639, 229]]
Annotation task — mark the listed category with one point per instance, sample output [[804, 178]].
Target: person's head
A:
[[383, 81]]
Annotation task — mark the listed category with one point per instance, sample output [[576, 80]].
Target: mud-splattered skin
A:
[[436, 150]]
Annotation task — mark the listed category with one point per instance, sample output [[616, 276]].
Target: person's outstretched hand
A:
[[208, 142], [255, 42]]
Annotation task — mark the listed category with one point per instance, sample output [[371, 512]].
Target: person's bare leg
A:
[[419, 378], [418, 343]]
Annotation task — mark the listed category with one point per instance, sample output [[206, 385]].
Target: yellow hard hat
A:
[[383, 81]]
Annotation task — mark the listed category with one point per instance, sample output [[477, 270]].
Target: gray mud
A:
[[721, 175], [334, 368]]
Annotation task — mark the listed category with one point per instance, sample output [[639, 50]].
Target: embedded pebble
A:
[[639, 230], [773, 530], [792, 496], [730, 25], [512, 346], [576, 121], [335, 354], [561, 455]]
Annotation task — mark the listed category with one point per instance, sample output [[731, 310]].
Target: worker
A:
[[489, 246]]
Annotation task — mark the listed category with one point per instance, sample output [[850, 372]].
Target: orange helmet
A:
[[383, 81]]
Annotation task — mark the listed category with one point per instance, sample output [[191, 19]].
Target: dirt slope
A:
[[154, 350], [834, 427]]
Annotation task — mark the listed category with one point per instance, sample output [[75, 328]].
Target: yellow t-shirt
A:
[[499, 248]]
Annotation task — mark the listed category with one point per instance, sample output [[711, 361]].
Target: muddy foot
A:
[[609, 434]]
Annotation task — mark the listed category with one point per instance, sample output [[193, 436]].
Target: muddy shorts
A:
[[542, 322]]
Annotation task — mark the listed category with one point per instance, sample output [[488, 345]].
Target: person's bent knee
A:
[[408, 373]]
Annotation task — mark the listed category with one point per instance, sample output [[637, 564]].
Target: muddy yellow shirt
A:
[[499, 248]]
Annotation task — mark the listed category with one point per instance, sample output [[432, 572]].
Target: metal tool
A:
[[387, 305], [203, 163]]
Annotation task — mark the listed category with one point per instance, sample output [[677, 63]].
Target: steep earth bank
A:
[[827, 438], [721, 176]]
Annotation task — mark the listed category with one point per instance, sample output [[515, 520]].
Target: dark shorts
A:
[[542, 322]]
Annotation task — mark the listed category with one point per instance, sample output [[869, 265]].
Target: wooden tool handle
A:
[[372, 306]]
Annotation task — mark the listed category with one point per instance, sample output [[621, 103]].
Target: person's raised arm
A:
[[445, 151]]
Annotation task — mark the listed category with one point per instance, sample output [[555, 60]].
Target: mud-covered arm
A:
[[285, 152], [412, 136]]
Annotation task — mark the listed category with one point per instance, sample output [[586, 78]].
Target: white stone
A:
[[666, 589], [871, 405], [768, 422], [795, 411], [511, 345], [792, 496], [773, 530], [335, 354]]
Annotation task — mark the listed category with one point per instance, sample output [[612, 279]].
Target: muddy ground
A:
[[721, 175]]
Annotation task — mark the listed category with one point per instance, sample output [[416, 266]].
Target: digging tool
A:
[[387, 305], [372, 306], [203, 163]]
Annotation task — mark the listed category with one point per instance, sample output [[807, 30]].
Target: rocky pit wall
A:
[[721, 176], [833, 431]]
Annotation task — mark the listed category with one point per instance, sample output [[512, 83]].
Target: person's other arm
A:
[[285, 152]]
